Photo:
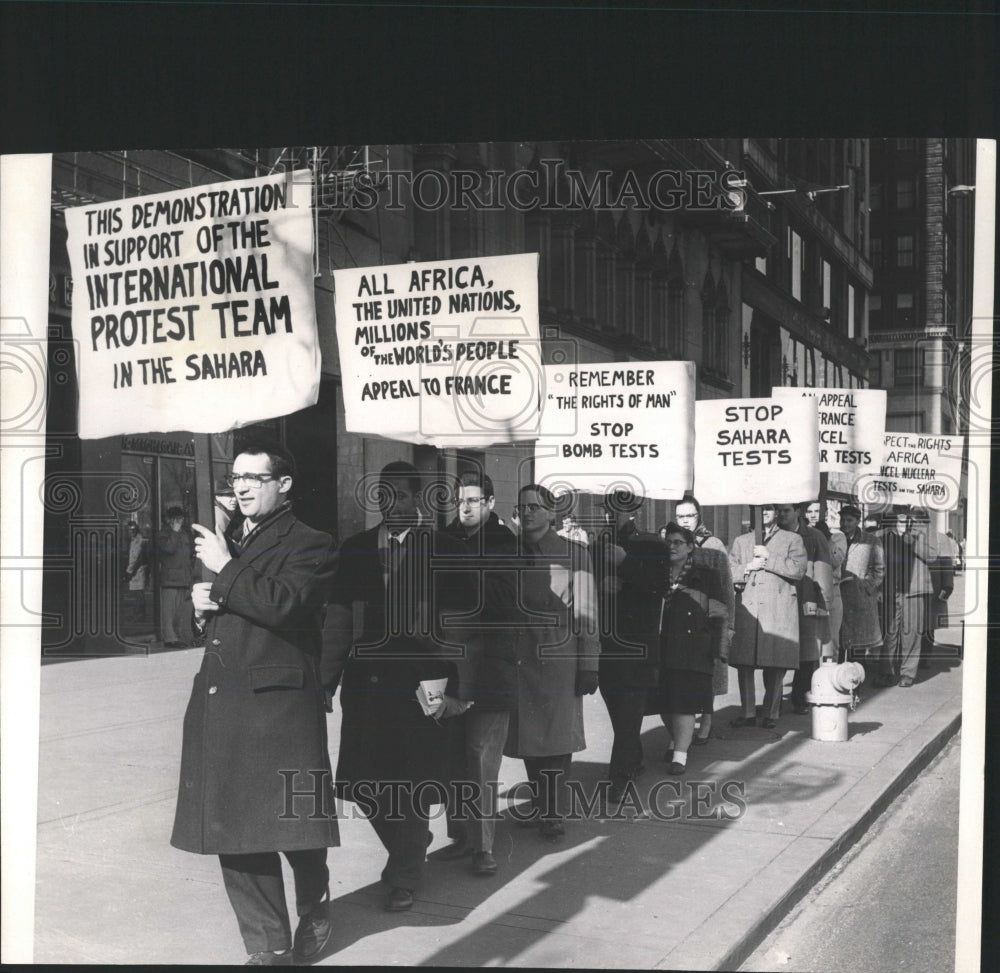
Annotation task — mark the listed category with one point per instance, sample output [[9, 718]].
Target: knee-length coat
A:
[[767, 611], [385, 633], [256, 712], [557, 636]]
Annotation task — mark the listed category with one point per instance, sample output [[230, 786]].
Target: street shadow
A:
[[862, 728], [622, 852], [358, 914]]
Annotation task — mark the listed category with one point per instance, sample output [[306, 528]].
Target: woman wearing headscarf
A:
[[713, 551], [693, 621]]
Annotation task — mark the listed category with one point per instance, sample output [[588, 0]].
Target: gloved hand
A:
[[586, 682]]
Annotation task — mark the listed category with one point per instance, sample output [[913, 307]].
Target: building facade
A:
[[922, 224], [736, 254]]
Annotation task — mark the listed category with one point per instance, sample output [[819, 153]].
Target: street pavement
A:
[[693, 879], [899, 884]]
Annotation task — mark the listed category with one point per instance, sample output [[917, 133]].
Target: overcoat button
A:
[[216, 641], [374, 679], [212, 690]]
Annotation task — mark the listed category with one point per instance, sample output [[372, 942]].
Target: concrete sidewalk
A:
[[682, 886]]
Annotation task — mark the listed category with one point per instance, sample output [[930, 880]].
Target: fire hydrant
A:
[[832, 695]]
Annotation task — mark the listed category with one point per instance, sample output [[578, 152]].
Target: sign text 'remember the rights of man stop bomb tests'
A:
[[618, 426]]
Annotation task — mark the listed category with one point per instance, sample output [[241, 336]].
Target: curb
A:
[[739, 953]]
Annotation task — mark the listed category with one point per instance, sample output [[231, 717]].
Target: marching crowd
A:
[[512, 628]]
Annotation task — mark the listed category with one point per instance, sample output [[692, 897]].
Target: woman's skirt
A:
[[681, 692]]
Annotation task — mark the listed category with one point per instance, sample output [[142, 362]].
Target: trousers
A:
[[479, 751], [551, 801], [626, 708], [257, 893], [904, 618], [400, 821], [773, 679]]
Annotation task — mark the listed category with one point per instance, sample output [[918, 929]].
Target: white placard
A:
[[755, 451], [444, 352], [194, 310], [919, 469], [618, 426], [851, 427]]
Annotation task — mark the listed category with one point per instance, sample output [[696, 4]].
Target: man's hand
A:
[[201, 599], [586, 682], [450, 706], [211, 548]]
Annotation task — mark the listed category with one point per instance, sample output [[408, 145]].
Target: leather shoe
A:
[[698, 741], [552, 829], [313, 932], [457, 849], [769, 724], [398, 900], [270, 958], [677, 769], [801, 710], [484, 864], [743, 721], [905, 682]]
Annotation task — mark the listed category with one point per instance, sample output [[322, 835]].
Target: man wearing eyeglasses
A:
[[486, 676], [255, 769], [557, 656]]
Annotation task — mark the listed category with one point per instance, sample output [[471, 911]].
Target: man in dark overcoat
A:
[[255, 769], [405, 579], [486, 675]]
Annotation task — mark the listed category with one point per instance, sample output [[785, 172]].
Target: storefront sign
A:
[[618, 426], [196, 308], [851, 427], [162, 447], [922, 470], [445, 352], [755, 451]]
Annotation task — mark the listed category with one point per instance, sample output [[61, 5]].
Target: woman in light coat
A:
[[557, 651], [767, 614]]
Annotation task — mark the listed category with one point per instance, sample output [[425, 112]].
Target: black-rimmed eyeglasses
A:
[[252, 480]]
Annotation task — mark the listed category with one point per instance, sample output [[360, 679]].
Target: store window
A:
[[163, 472]]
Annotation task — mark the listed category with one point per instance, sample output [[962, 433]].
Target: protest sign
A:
[[756, 451], [851, 427], [194, 310], [618, 426], [444, 352], [922, 470]]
